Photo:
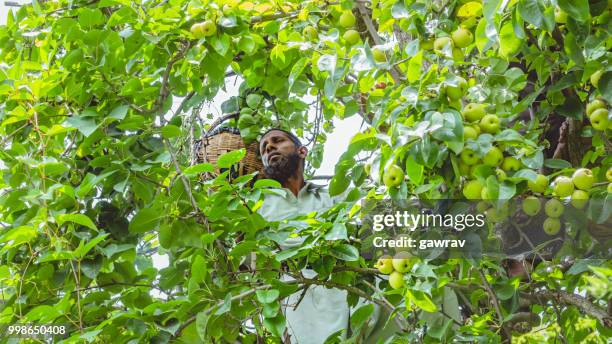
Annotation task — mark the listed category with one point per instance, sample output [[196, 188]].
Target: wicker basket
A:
[[220, 140]]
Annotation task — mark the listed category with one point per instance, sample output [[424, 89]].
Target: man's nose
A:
[[270, 147]]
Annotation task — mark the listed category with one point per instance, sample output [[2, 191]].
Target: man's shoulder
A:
[[323, 191]]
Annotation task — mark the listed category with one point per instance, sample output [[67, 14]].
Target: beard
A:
[[283, 167]]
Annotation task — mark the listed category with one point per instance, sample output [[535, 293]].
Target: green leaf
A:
[[231, 105], [271, 310], [43, 314], [228, 21], [198, 269], [482, 35], [566, 81], [81, 219], [327, 63], [72, 58], [489, 9], [221, 44], [267, 296], [228, 159], [121, 16], [505, 291], [84, 125], [605, 86], [111, 249], [573, 49], [414, 170], [557, 163], [210, 237], [532, 12], [345, 252], [421, 300], [450, 131], [247, 44], [509, 43], [296, 71], [89, 17], [506, 190], [339, 183], [52, 256], [337, 232], [582, 265], [199, 168], [277, 56], [253, 100], [170, 131], [243, 248], [361, 315], [509, 135], [572, 108], [534, 162], [5, 272], [399, 11], [414, 67], [227, 305], [82, 250], [119, 112], [201, 325], [275, 325], [90, 181], [17, 236], [53, 168], [525, 174], [286, 254], [266, 183], [576, 9], [451, 304], [145, 220]]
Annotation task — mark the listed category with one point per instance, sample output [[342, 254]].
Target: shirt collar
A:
[[307, 188]]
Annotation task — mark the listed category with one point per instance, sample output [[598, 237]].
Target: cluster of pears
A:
[[474, 189], [575, 187], [459, 39], [346, 21], [597, 111], [396, 267], [478, 121], [203, 29]]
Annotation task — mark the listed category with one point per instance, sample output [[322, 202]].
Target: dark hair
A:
[[292, 136]]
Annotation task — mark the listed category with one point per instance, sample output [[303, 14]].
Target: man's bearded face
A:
[[280, 156], [281, 167]]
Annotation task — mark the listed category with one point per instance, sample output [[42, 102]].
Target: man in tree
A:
[[322, 311]]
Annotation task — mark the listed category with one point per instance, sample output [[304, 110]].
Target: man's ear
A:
[[303, 152]]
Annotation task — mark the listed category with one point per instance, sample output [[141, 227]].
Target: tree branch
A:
[[544, 296], [395, 74]]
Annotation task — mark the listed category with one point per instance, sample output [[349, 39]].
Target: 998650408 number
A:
[[33, 331]]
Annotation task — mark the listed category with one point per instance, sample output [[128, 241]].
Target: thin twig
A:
[[400, 322], [495, 302], [232, 299], [185, 181]]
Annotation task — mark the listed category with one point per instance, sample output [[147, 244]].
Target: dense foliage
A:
[[97, 172]]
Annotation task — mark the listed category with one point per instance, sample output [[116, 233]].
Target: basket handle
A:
[[219, 121]]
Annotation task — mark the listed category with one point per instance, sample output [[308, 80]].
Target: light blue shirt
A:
[[322, 311]]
